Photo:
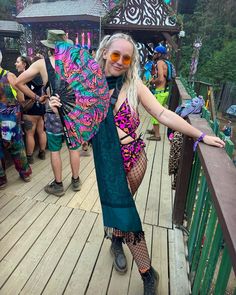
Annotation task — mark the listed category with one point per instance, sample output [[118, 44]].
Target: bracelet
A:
[[200, 138], [37, 98]]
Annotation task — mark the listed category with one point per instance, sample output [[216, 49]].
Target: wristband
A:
[[37, 98], [200, 138]]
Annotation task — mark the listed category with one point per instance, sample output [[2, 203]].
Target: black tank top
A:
[[60, 87]]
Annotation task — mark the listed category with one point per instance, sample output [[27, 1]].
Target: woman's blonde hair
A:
[[131, 76]]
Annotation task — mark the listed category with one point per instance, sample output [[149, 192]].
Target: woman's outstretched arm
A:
[[171, 119]]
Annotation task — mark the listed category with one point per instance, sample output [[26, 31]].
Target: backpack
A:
[[171, 72]]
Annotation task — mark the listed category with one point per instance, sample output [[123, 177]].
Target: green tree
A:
[[7, 6], [221, 68], [215, 22]]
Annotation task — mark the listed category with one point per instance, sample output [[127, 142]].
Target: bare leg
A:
[[156, 129], [41, 133], [74, 162], [56, 165], [29, 126]]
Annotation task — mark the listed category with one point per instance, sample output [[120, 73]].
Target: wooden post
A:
[[178, 55], [174, 97], [212, 103], [184, 172]]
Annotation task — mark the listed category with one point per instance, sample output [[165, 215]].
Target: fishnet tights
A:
[[135, 176], [138, 250], [140, 254]]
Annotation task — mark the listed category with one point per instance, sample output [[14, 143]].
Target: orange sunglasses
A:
[[126, 59]]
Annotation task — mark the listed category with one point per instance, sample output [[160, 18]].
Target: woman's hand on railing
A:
[[213, 140]]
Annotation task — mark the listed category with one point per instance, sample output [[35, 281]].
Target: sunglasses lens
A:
[[126, 60], [115, 56]]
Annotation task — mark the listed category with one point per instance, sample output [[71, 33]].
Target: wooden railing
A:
[[205, 202]]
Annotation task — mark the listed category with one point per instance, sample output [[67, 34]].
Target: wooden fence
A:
[[205, 202]]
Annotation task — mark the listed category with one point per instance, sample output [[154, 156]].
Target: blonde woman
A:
[[119, 155]]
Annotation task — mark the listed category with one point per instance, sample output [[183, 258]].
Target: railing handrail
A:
[[204, 83], [220, 173]]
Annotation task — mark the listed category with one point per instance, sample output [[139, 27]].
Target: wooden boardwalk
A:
[[53, 246]]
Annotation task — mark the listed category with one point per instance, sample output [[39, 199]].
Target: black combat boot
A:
[[117, 252], [150, 282]]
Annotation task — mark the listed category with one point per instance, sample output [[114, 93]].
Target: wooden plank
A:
[[91, 198], [99, 281], [78, 198], [160, 258], [5, 198], [97, 208], [67, 263], [182, 91], [179, 283], [19, 229], [84, 268], [152, 208], [10, 207], [15, 216], [165, 206], [59, 246], [30, 249]]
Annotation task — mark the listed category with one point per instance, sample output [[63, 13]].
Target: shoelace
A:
[[118, 249], [149, 283]]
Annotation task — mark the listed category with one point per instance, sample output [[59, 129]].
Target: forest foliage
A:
[[214, 21], [7, 8]]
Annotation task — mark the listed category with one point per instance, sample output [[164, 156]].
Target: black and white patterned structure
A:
[[147, 21], [143, 12]]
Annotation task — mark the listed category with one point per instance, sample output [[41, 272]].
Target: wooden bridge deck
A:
[[51, 245]]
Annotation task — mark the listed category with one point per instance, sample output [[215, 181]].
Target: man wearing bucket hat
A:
[[159, 86], [54, 130], [55, 36]]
